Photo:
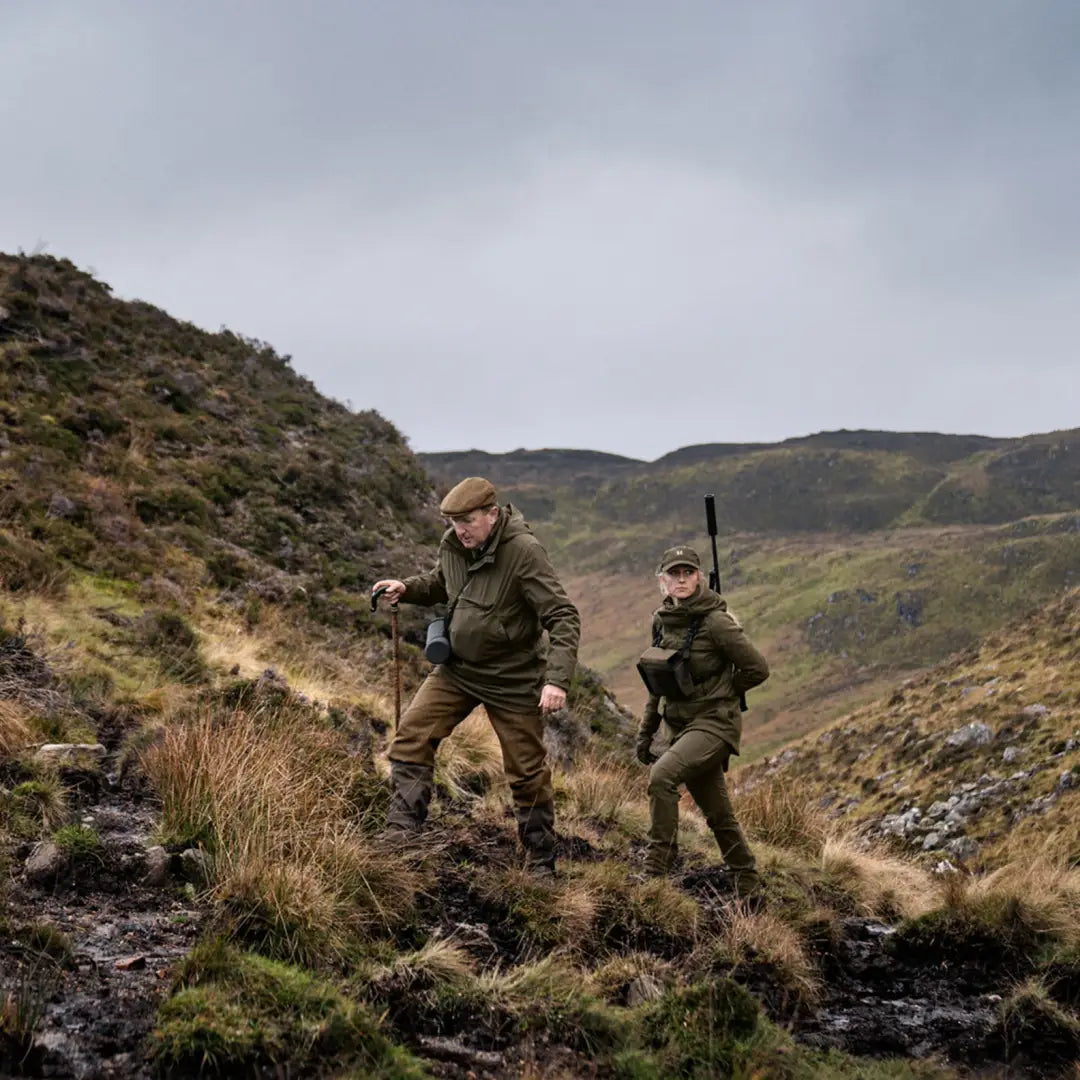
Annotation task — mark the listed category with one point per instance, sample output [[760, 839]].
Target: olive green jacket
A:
[[502, 598], [723, 662]]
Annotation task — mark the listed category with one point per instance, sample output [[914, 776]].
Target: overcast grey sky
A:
[[625, 226]]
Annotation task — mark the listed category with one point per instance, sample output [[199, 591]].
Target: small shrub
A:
[[79, 841], [43, 800], [168, 636], [47, 941], [702, 1031], [1034, 1028]]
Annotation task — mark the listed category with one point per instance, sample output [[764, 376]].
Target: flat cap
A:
[[472, 493], [679, 556]]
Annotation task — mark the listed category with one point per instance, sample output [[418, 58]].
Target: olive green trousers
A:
[[699, 760], [438, 707]]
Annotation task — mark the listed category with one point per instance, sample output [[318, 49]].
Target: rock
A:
[[962, 848], [642, 989], [188, 383], [970, 735], [157, 866], [45, 864], [937, 810], [70, 755], [131, 963], [1037, 711], [60, 506], [195, 864], [4, 314], [1010, 754], [1067, 779], [931, 841], [902, 825]]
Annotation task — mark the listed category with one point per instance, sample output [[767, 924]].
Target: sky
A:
[[624, 226]]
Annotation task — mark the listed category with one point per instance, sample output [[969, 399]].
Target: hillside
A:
[[977, 759]]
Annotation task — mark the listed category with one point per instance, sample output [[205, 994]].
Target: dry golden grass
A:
[[1046, 893], [607, 793], [881, 885], [777, 811], [469, 763], [765, 938], [15, 733], [438, 963], [271, 803]]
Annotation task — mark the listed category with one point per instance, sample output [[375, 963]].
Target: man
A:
[[502, 594]]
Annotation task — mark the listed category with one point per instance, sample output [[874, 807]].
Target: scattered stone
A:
[[157, 866], [1068, 779], [642, 989], [4, 314], [931, 841], [70, 755], [1010, 754], [447, 1049], [45, 864], [902, 825], [60, 506], [962, 848], [1037, 711], [131, 963], [970, 735], [195, 864]]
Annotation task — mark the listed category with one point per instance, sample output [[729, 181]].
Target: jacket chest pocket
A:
[[477, 633]]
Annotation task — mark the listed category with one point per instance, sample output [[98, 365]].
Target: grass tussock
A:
[[469, 763], [654, 914], [605, 793], [880, 885], [15, 731], [235, 1013], [750, 939], [547, 913], [274, 806], [777, 811], [1045, 894]]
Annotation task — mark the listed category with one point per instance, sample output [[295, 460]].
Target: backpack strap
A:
[[691, 633]]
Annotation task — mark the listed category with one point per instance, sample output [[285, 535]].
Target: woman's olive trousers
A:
[[699, 760]]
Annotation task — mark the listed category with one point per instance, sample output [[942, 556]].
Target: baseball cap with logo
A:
[[679, 556]]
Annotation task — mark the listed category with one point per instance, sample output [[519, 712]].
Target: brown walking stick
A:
[[397, 652]]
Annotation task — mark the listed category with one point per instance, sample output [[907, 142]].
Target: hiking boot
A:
[[411, 787], [536, 832], [545, 870]]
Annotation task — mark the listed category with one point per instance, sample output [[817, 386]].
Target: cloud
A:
[[590, 225]]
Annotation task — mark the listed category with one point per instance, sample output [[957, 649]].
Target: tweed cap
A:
[[679, 556], [472, 493]]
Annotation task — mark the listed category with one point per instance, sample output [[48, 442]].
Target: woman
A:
[[702, 714]]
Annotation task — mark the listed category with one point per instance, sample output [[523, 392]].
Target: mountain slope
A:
[[978, 757]]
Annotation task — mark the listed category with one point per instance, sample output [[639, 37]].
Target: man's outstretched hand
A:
[[394, 589], [552, 699]]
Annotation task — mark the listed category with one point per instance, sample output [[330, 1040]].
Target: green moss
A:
[[79, 841], [236, 1013]]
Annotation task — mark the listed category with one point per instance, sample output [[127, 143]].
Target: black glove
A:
[[644, 750]]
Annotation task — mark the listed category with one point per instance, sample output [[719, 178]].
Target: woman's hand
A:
[[644, 750]]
